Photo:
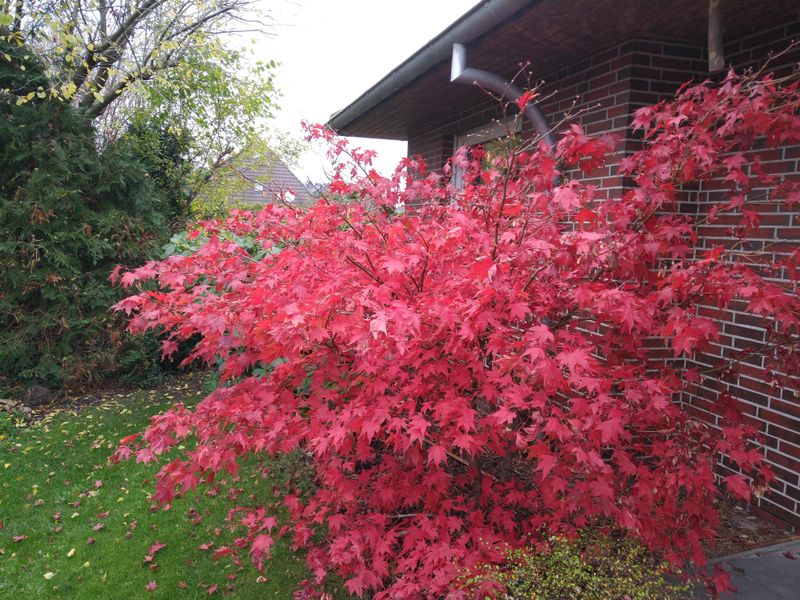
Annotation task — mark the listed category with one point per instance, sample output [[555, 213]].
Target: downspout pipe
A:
[[461, 73], [716, 52]]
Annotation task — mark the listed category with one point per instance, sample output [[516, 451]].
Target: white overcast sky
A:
[[333, 50]]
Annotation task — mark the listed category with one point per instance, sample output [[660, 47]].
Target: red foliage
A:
[[480, 370]]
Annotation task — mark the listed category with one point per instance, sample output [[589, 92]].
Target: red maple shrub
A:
[[478, 370]]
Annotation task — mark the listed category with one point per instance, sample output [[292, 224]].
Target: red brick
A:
[[793, 492], [775, 514], [786, 447], [780, 420], [680, 64], [784, 406], [786, 435], [790, 464]]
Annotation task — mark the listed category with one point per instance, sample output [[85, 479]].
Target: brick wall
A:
[[607, 88], [603, 90], [771, 407]]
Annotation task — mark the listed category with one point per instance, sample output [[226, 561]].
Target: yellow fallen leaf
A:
[[74, 515], [87, 564], [5, 466], [71, 553], [49, 575]]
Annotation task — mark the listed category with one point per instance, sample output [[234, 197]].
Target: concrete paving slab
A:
[[769, 573]]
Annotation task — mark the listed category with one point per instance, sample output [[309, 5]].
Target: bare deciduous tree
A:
[[96, 51]]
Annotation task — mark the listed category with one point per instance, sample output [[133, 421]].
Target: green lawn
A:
[[88, 524]]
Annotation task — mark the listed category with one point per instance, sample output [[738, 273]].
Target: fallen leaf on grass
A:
[[156, 547], [98, 526], [71, 553], [20, 538], [151, 586], [212, 590], [49, 575], [182, 585]]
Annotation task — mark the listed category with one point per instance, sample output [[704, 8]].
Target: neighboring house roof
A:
[[502, 35], [269, 180], [317, 189]]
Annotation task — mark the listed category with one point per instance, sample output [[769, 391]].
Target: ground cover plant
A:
[[592, 565], [476, 371], [74, 526]]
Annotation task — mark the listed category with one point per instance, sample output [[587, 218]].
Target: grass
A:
[[88, 524]]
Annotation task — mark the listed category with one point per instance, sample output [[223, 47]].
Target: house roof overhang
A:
[[477, 21], [504, 35]]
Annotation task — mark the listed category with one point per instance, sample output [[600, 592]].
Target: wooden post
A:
[[716, 54]]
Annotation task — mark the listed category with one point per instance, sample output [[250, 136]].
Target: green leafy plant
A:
[[591, 565]]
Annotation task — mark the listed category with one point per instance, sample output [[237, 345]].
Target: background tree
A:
[[99, 52], [117, 115], [220, 103], [154, 64]]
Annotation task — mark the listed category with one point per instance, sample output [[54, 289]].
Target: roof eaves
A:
[[480, 19]]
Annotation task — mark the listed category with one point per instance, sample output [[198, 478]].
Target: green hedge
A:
[[69, 213]]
